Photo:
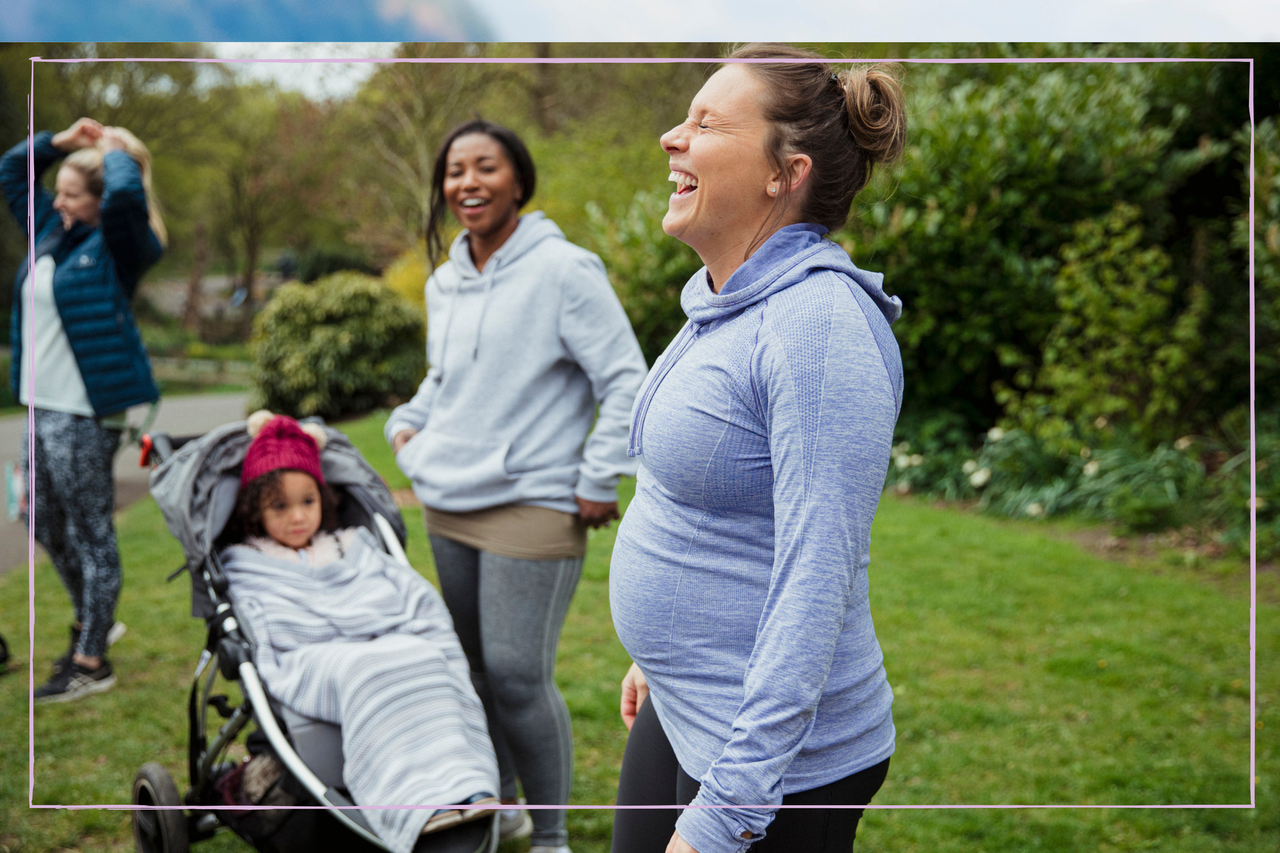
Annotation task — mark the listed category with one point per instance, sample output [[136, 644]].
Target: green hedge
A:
[[344, 345]]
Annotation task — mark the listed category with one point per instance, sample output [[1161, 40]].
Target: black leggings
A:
[[652, 776]]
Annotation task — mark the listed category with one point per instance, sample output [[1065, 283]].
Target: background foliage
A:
[[1070, 238]]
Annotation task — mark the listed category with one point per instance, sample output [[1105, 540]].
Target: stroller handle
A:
[[159, 446]]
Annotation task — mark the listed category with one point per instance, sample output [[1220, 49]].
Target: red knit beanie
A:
[[280, 442]]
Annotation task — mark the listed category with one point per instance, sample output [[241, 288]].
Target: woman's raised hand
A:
[[83, 134], [112, 140], [635, 689]]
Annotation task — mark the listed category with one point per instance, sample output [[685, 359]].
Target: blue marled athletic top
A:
[[739, 577]]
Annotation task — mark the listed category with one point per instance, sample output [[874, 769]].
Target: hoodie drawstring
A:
[[492, 270], [448, 324]]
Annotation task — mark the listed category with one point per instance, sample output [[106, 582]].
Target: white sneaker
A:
[[564, 848], [514, 823], [116, 632]]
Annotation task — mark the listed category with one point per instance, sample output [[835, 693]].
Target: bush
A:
[[648, 269], [344, 345], [929, 454], [407, 276], [1192, 482], [1121, 349], [1266, 246]]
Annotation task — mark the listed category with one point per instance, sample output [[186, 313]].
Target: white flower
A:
[[1091, 468], [1035, 510], [902, 461], [1085, 453], [995, 434], [1182, 443], [980, 477], [917, 459], [1100, 422], [969, 466], [902, 448]]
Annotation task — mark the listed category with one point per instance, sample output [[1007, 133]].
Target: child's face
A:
[[291, 515]]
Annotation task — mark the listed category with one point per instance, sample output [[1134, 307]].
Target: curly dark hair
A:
[[246, 518]]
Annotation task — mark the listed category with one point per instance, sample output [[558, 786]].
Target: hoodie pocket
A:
[[445, 468]]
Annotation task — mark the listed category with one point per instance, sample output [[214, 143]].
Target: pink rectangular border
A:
[[1253, 483]]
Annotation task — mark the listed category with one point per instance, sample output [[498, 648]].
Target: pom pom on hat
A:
[[280, 442]]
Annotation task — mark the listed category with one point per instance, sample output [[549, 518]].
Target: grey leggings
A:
[[508, 614], [72, 494]]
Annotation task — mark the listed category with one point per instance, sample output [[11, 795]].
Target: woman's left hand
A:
[[111, 140], [595, 514], [84, 133], [679, 845]]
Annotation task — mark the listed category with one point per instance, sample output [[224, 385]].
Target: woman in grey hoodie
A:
[[526, 340], [739, 577]]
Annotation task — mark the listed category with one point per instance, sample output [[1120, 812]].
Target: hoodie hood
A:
[[786, 258], [533, 228]]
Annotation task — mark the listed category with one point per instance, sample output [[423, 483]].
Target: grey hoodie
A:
[[520, 356]]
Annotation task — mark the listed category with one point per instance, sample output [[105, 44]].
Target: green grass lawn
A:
[[1026, 672]]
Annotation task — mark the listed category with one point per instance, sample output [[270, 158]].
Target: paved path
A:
[[187, 415]]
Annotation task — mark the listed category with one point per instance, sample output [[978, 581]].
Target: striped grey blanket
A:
[[367, 643]]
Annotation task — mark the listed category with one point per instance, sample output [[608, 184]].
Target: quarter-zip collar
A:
[[787, 257]]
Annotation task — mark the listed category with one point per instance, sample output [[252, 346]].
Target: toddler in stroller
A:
[[342, 633]]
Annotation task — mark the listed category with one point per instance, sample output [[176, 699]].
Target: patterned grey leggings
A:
[[71, 490], [508, 614]]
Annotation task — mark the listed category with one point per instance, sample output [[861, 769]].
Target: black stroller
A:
[[195, 485]]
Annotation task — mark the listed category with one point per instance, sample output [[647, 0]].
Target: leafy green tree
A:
[[999, 168]]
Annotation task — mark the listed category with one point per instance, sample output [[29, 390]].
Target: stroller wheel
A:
[[156, 830]]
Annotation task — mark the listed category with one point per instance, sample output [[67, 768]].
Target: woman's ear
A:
[[798, 167]]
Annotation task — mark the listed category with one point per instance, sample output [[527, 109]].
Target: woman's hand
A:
[[594, 514], [112, 140], [634, 691], [679, 845], [85, 133], [401, 438]]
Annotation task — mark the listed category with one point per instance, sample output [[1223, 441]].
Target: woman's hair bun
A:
[[846, 123], [877, 117]]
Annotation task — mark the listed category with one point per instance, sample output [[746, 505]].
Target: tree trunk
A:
[[248, 280], [191, 317], [544, 98]]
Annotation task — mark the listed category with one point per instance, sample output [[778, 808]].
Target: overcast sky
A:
[[882, 20], [803, 20], [296, 23]]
